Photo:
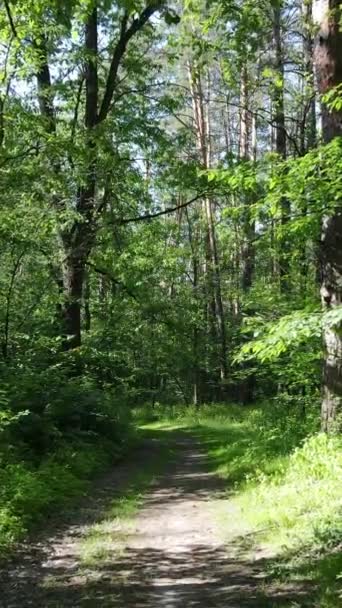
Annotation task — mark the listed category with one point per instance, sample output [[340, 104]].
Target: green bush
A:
[[57, 429], [29, 493]]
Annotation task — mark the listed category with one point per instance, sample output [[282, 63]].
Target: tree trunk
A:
[[307, 128], [308, 135], [280, 128], [328, 63], [76, 243], [278, 90], [79, 240], [247, 146], [215, 303], [196, 395], [247, 152], [86, 302], [73, 278]]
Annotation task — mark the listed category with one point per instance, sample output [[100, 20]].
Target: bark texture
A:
[[247, 152], [328, 63], [216, 315], [280, 143]]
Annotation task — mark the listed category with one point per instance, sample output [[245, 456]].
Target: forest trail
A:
[[170, 556]]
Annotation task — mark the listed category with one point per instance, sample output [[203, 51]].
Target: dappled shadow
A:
[[169, 561], [320, 565], [237, 451], [200, 577], [20, 572], [189, 477]]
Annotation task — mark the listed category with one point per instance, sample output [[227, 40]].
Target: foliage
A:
[[30, 493], [145, 200], [275, 338], [56, 432]]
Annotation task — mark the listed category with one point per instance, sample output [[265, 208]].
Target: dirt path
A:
[[172, 556]]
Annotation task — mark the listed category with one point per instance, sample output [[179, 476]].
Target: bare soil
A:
[[172, 556]]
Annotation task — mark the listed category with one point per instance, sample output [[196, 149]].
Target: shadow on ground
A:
[[200, 577], [177, 567]]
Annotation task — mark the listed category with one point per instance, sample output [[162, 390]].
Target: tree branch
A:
[[29, 152], [150, 216], [109, 275], [149, 314], [10, 19], [126, 33]]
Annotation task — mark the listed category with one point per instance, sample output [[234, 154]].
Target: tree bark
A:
[[86, 302], [328, 64], [215, 303], [247, 152], [309, 128], [196, 393], [247, 146], [280, 128]]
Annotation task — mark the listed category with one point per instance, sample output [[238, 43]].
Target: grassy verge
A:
[[284, 481]]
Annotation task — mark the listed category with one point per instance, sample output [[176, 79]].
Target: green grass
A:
[[284, 482]]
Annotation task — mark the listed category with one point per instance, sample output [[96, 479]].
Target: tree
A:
[[143, 201], [96, 85], [328, 62]]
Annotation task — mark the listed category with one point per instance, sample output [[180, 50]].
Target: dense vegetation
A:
[[170, 233]]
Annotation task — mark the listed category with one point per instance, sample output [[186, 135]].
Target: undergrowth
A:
[[56, 432], [29, 493]]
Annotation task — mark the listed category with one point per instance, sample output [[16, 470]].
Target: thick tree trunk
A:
[[73, 279], [331, 291], [77, 242], [328, 63]]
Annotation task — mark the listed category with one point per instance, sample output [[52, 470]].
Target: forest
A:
[[171, 303]]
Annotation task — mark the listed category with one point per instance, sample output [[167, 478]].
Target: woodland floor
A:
[[170, 553]]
